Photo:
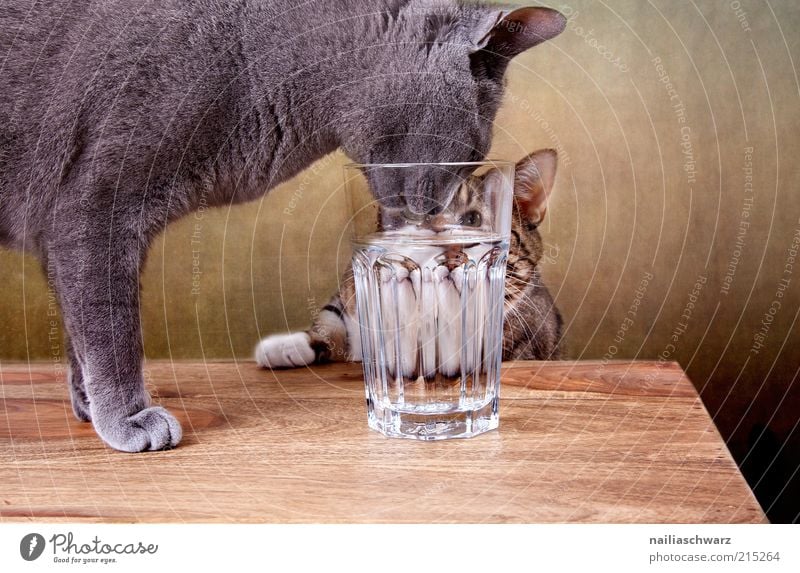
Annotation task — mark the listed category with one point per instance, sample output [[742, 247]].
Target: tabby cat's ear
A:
[[533, 182], [512, 33]]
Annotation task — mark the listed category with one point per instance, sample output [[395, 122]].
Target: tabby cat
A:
[[532, 323]]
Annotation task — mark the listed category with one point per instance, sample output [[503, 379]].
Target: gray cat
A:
[[118, 117]]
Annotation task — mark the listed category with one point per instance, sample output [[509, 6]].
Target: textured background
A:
[[653, 212]]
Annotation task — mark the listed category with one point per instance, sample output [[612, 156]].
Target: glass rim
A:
[[487, 162]]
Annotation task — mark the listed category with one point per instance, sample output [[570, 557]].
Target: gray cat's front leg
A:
[[77, 389], [98, 286]]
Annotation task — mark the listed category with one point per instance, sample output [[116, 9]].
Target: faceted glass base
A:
[[418, 425]]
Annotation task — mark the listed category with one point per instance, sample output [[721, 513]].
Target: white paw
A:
[[448, 302], [399, 316], [409, 324], [428, 320], [285, 351]]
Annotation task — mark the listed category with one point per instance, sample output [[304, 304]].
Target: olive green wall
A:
[[669, 233]]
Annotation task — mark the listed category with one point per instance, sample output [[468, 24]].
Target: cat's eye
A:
[[471, 219]]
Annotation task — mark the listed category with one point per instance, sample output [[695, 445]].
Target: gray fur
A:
[[119, 116]]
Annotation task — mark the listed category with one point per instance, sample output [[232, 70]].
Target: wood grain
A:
[[578, 442]]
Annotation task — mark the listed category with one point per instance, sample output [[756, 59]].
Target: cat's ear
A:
[[506, 34], [533, 183]]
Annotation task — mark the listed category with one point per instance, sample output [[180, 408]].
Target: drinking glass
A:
[[429, 293]]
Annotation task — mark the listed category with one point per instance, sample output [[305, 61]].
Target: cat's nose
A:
[[438, 223]]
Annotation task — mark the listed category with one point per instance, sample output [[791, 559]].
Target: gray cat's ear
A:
[[523, 29], [533, 183], [506, 34], [482, 30]]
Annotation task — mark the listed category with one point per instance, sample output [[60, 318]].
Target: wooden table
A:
[[578, 442]]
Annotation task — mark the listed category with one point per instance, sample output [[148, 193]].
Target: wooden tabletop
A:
[[578, 442]]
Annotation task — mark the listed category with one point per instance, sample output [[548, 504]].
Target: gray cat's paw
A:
[[150, 429]]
